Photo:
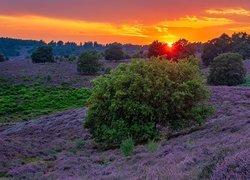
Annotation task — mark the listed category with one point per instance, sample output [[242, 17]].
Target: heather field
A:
[[57, 146], [125, 90]]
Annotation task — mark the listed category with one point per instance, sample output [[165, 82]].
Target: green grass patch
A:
[[247, 83], [24, 102]]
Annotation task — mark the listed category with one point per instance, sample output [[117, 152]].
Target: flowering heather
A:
[[210, 152], [236, 166]]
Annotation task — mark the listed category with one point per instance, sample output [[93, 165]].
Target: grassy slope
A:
[[24, 102]]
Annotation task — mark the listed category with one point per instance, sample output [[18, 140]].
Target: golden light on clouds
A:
[[62, 27], [193, 28], [196, 22], [237, 11]]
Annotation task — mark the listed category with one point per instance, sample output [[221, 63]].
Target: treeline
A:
[[10, 47], [237, 43]]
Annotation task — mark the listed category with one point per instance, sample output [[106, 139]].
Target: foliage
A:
[[133, 99], [152, 146], [114, 52], [72, 57], [180, 49], [247, 83], [43, 54], [238, 43], [11, 47], [127, 147], [215, 47], [2, 58], [23, 102], [80, 143], [227, 69], [157, 49], [88, 63]]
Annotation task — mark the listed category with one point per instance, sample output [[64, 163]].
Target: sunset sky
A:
[[125, 21]]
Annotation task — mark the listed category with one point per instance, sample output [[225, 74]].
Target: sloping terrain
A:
[[57, 146], [24, 72]]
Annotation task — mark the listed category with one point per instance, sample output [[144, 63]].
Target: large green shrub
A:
[[114, 52], [88, 63], [133, 99], [227, 69], [43, 54]]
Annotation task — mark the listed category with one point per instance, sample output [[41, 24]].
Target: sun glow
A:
[[170, 44]]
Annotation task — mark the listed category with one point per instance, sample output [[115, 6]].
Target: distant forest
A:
[[11, 47]]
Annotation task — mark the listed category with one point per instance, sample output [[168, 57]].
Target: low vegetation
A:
[[24, 102], [152, 146], [114, 52], [43, 54], [2, 58], [227, 69], [134, 99], [127, 147], [247, 83], [88, 63]]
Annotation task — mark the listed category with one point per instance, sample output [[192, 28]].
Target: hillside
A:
[[57, 145], [49, 147]]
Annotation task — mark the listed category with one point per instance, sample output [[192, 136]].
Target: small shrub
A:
[[134, 98], [2, 58], [88, 63], [43, 54], [152, 146], [127, 147], [227, 69], [107, 70], [72, 58], [114, 52], [48, 78], [80, 143], [247, 83]]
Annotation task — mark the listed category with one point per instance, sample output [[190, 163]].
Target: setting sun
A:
[[170, 44]]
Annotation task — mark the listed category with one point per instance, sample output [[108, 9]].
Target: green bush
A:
[[80, 143], [133, 99], [72, 58], [43, 54], [2, 58], [114, 52], [227, 69], [152, 146], [88, 63], [127, 147]]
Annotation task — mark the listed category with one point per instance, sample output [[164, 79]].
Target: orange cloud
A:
[[63, 27], [241, 29], [196, 22], [237, 11], [194, 28]]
